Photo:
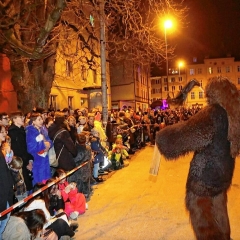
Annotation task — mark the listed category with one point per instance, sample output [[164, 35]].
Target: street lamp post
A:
[[167, 24]]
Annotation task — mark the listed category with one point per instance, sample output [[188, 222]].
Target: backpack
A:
[[53, 159]]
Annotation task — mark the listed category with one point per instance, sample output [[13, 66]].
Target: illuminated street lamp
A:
[[167, 24], [180, 64]]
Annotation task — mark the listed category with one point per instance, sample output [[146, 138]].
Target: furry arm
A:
[[192, 135]]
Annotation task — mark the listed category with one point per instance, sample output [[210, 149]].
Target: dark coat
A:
[[6, 183], [83, 175], [206, 134], [69, 151], [98, 150], [19, 147]]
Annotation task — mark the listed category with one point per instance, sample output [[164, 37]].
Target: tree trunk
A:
[[32, 81]]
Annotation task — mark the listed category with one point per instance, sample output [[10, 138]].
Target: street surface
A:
[[131, 205]]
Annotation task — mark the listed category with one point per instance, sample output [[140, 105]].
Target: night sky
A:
[[213, 30]]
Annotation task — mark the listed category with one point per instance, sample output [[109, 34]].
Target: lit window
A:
[[191, 71], [192, 95], [83, 101], [200, 95], [210, 70]]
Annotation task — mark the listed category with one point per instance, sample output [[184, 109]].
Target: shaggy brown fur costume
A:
[[214, 136]]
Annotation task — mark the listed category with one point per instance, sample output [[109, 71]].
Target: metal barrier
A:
[[40, 190]]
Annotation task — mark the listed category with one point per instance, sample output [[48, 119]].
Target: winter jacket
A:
[[19, 147], [6, 183], [35, 146], [16, 229], [69, 151], [98, 150]]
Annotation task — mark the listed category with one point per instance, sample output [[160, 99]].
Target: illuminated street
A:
[[131, 206]]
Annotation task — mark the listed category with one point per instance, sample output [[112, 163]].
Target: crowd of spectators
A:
[[77, 137]]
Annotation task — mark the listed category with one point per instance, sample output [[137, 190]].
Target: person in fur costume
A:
[[213, 134]]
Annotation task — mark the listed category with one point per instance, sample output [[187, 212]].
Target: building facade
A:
[[77, 81], [211, 67], [130, 85]]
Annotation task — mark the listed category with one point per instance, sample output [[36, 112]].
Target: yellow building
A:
[[77, 81], [211, 67]]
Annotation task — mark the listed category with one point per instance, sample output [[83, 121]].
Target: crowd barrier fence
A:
[[40, 190]]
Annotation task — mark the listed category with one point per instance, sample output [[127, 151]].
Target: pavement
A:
[[132, 205]]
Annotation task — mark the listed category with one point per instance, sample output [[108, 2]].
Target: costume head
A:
[[220, 90]]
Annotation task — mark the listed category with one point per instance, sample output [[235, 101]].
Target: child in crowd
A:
[[56, 203], [117, 157], [75, 202], [82, 120], [124, 149], [99, 153], [19, 184], [6, 150]]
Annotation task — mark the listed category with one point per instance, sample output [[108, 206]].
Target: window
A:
[[165, 80], [238, 68], [180, 88], [173, 88], [239, 80], [165, 89], [180, 79], [94, 76], [70, 102], [219, 70], [210, 70], [200, 95], [192, 95], [191, 71], [83, 101], [199, 71], [53, 102], [172, 79], [69, 68], [227, 69], [83, 73]]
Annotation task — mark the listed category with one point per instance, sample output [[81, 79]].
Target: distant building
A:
[[227, 67], [130, 85]]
